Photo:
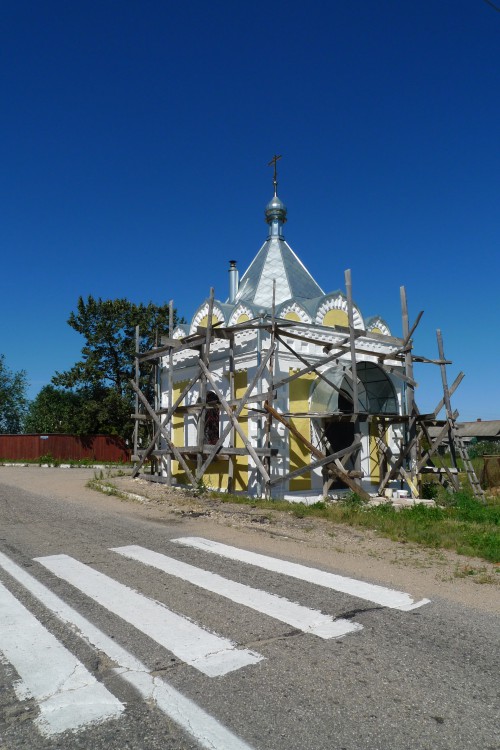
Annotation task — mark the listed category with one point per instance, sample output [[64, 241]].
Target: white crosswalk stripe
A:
[[207, 652], [296, 615], [371, 592], [69, 697]]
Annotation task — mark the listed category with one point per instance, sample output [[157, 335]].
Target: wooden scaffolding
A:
[[417, 451]]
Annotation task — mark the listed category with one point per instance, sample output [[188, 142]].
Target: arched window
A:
[[376, 394], [212, 419]]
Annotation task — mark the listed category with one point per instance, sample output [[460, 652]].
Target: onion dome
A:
[[275, 210]]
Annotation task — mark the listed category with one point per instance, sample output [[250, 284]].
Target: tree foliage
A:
[[99, 382], [108, 327], [13, 400], [55, 410]]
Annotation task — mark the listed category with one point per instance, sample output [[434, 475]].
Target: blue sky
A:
[[134, 143]]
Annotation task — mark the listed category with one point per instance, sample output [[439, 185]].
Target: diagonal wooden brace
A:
[[452, 390], [235, 422], [310, 368], [165, 420], [402, 471], [336, 466], [165, 434], [242, 403], [395, 469], [452, 478], [442, 434], [346, 452]]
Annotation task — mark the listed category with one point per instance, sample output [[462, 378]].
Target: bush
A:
[[318, 505], [484, 448], [430, 490], [352, 498], [48, 458]]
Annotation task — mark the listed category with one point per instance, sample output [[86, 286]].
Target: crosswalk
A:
[[296, 615], [209, 653], [69, 697]]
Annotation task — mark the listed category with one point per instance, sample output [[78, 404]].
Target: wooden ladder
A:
[[477, 490], [456, 442]]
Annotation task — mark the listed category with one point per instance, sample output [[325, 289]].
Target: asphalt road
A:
[[427, 678]]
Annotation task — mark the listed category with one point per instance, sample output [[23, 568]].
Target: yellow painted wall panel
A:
[[299, 454], [375, 477], [241, 462], [178, 433], [215, 478]]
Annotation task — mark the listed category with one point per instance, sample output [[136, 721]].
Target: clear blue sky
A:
[[134, 143]]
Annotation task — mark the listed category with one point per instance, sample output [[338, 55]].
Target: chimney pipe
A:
[[233, 280]]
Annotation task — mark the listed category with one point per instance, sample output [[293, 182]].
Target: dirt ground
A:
[[347, 550]]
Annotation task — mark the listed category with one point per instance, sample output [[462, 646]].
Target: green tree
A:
[[55, 410], [100, 379], [13, 400]]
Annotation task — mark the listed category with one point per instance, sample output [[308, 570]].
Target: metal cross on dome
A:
[[275, 181]]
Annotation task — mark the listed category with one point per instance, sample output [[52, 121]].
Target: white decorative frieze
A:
[[202, 313], [377, 325], [292, 309], [337, 302], [240, 314]]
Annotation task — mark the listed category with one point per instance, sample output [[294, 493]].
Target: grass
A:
[[477, 464], [463, 524], [106, 488]]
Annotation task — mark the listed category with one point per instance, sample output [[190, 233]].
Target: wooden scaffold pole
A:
[[170, 385], [136, 399], [449, 412], [456, 443], [409, 391], [205, 359], [354, 371], [232, 431], [269, 400]]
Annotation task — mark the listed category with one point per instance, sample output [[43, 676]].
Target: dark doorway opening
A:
[[340, 435]]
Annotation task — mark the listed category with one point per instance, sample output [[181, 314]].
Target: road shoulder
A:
[[351, 551]]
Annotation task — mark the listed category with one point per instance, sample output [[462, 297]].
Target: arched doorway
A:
[[333, 401]]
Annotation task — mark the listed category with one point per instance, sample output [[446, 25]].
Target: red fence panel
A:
[[64, 447]]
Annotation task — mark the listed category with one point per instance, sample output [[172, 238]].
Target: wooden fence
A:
[[107, 448]]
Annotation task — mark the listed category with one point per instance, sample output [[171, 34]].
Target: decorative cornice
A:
[[240, 309], [337, 301], [380, 324], [294, 307], [202, 312]]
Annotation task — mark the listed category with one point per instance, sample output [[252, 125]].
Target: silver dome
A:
[[275, 209]]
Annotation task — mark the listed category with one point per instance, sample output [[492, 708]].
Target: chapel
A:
[[283, 389]]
